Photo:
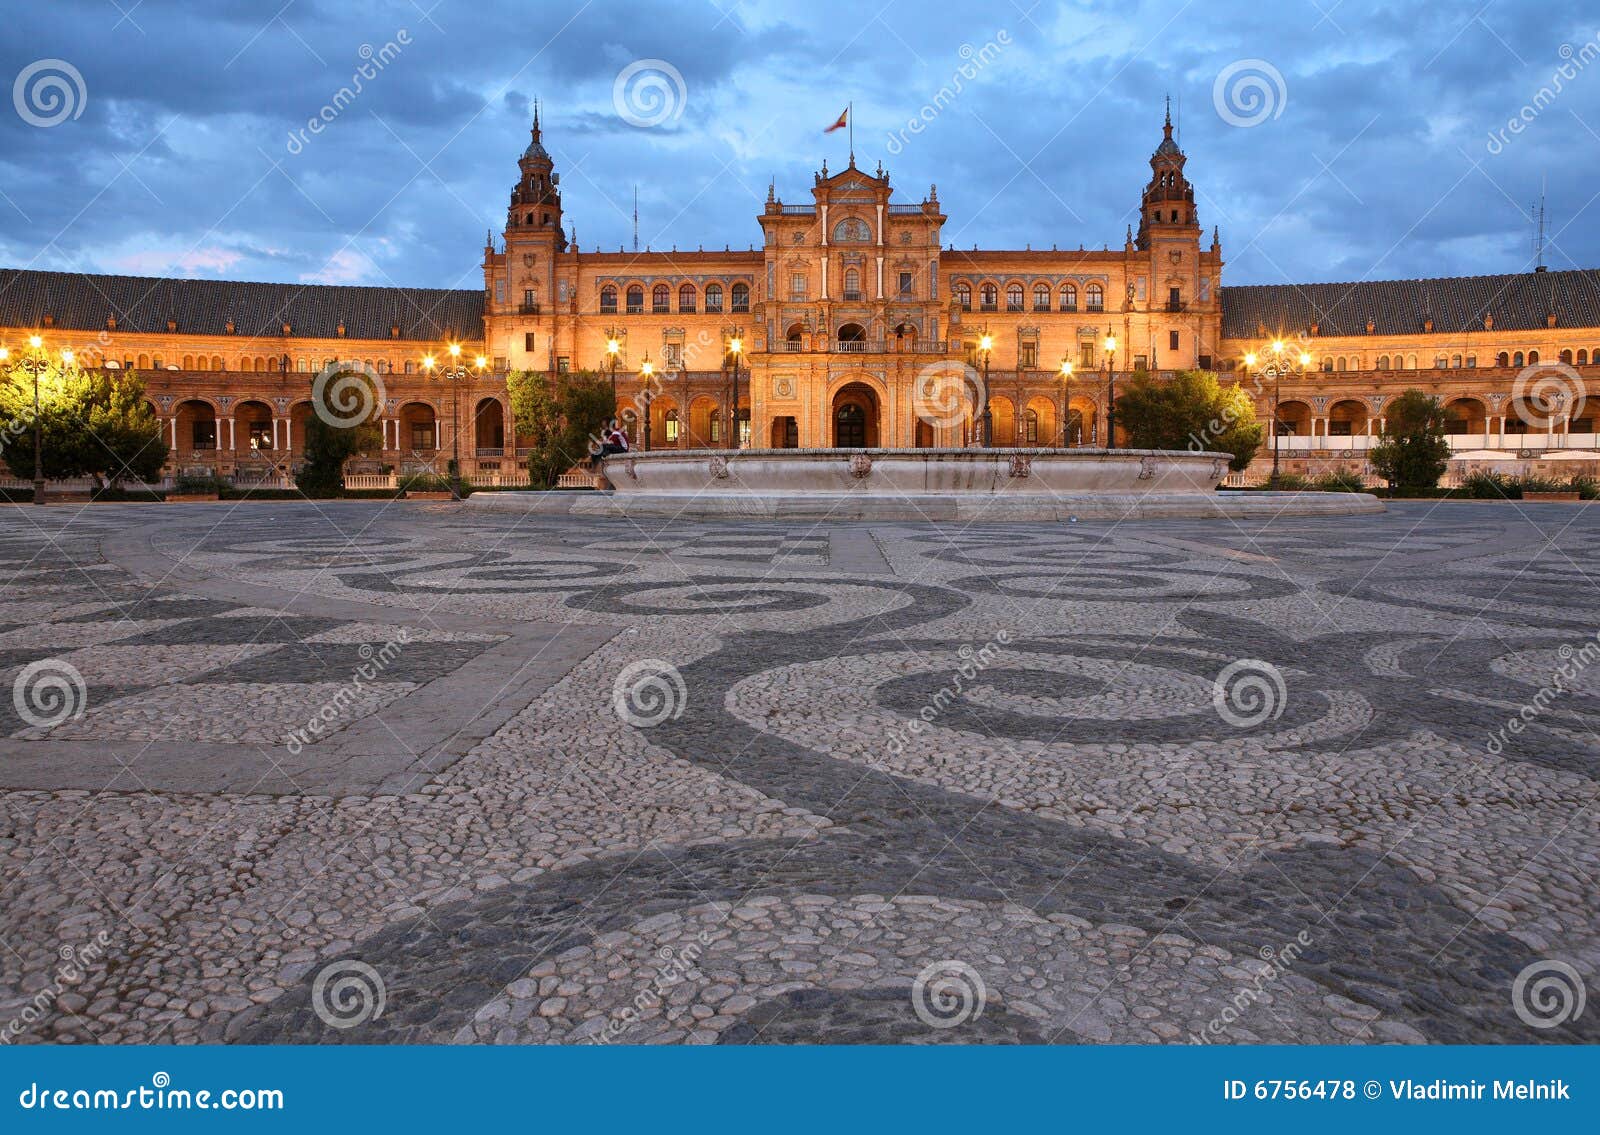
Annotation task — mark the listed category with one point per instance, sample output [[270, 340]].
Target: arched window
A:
[[1013, 297], [247, 365], [1096, 297], [1503, 359], [1566, 355], [635, 299], [741, 297], [608, 299], [1583, 358], [660, 299], [713, 297], [715, 426], [216, 363], [686, 298], [852, 284], [1041, 297], [1069, 298], [672, 425], [1533, 357], [964, 295], [1030, 427], [303, 365], [1516, 359], [144, 362], [989, 297], [1383, 362], [188, 362]]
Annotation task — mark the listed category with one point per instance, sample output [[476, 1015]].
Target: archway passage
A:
[[855, 417], [489, 428], [785, 433]]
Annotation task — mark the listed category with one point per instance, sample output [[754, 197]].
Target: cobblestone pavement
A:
[[368, 773]]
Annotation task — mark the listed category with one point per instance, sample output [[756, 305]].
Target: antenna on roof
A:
[[1538, 230], [636, 218]]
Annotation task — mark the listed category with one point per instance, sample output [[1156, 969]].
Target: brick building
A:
[[846, 307]]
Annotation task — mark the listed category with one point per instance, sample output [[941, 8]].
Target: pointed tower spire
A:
[[535, 120]]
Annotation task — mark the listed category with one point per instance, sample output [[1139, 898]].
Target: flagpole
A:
[[850, 117]]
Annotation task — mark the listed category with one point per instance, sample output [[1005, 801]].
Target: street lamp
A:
[[613, 348], [457, 371], [1066, 400], [1279, 359], [986, 344], [647, 370], [1111, 395], [735, 346], [36, 362]]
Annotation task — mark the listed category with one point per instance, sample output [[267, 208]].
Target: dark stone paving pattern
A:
[[1467, 587]]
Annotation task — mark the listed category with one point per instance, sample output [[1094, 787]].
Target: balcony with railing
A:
[[528, 309], [853, 296]]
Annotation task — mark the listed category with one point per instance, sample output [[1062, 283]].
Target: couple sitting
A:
[[613, 439]]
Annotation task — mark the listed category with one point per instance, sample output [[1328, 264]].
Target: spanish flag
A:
[[841, 123]]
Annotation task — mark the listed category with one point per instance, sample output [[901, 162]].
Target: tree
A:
[[343, 423], [93, 423], [560, 415], [1412, 452], [1192, 411]]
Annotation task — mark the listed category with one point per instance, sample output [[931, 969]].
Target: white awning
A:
[[1485, 455]]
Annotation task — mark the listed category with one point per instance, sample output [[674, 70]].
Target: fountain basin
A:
[[924, 484]]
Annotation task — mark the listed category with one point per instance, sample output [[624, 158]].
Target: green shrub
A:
[[1543, 485], [1292, 482], [1587, 488], [1341, 481], [1483, 485], [195, 483], [424, 483]]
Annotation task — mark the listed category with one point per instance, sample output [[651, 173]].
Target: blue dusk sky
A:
[[1327, 140]]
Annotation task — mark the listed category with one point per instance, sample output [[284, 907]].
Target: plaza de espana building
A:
[[848, 299]]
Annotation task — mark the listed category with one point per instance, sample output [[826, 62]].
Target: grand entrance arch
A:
[[853, 417]]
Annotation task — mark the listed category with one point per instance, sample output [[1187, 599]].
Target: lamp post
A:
[[986, 344], [735, 346], [647, 370], [1066, 401], [1279, 359], [613, 348], [1111, 392], [36, 362], [456, 371]]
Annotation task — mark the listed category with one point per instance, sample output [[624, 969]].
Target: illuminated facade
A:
[[847, 306]]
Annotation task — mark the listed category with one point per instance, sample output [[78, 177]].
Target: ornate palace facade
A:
[[849, 304]]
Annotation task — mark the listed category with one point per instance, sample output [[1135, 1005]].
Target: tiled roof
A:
[[1517, 301], [83, 302]]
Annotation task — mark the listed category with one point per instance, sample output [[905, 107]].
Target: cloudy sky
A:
[[1328, 139]]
